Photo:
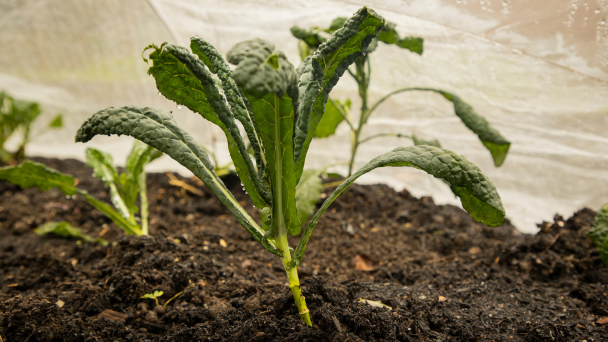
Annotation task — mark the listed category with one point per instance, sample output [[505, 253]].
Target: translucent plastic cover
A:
[[537, 70]]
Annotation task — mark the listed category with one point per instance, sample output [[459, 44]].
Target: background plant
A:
[[309, 42], [599, 233], [124, 187], [18, 116], [279, 109]]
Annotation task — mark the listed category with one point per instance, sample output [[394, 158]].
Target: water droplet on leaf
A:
[[179, 106]]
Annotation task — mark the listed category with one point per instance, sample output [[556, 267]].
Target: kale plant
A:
[[124, 187], [336, 112], [15, 116], [279, 108]]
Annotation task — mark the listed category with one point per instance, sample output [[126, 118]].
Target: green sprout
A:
[[279, 108], [154, 296]]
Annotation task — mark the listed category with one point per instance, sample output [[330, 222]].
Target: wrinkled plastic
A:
[[536, 71]]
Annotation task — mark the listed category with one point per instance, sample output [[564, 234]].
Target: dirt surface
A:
[[446, 277]]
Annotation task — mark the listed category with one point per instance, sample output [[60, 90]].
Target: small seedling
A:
[[18, 116], [310, 40], [124, 187], [279, 108], [599, 233], [154, 296]]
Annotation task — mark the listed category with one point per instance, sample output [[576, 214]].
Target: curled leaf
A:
[[476, 192], [260, 69]]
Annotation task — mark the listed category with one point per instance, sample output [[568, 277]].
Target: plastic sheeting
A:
[[536, 70]]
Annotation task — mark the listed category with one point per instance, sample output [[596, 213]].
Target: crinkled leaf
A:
[[599, 233], [159, 130], [182, 77], [278, 142], [332, 118], [65, 229], [260, 70], [477, 193], [238, 103], [320, 73], [308, 192], [490, 137]]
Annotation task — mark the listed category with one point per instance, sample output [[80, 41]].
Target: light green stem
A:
[[363, 81], [279, 229], [143, 199]]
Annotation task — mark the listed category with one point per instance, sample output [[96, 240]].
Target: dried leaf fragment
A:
[[364, 263]]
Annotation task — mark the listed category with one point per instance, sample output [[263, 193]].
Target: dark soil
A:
[[446, 277]]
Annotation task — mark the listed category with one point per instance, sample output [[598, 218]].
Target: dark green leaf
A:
[[311, 37], [414, 44], [320, 73], [599, 233], [278, 142], [490, 137], [332, 118], [182, 77], [389, 35], [477, 193], [238, 103], [159, 130], [65, 229]]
